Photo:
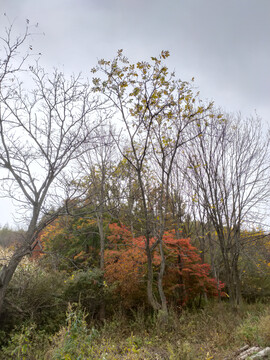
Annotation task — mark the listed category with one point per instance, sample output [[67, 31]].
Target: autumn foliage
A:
[[186, 276], [75, 239]]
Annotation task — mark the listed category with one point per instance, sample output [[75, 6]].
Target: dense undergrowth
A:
[[213, 332], [62, 315]]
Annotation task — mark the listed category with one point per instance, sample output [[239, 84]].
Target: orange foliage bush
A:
[[126, 267], [187, 277]]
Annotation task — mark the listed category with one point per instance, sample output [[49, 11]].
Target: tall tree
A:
[[228, 168], [155, 111], [41, 133], [97, 169]]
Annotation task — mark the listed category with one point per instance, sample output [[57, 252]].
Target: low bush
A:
[[75, 340], [26, 343], [264, 329], [255, 328], [90, 290], [36, 295]]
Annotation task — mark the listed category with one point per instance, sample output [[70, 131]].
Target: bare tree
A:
[[97, 169], [98, 173], [41, 132], [228, 168]]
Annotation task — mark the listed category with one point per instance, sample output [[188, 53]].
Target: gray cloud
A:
[[225, 45]]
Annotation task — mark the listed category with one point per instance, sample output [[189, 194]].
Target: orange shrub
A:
[[126, 267]]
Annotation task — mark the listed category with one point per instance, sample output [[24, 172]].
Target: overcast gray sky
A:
[[225, 45]]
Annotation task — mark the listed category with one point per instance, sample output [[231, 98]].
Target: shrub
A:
[[126, 267], [35, 295], [255, 329], [256, 284], [26, 343], [264, 329], [89, 289], [71, 242], [75, 340]]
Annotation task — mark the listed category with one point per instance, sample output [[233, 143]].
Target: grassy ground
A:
[[214, 332]]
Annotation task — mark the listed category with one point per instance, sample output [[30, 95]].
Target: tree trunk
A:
[[152, 301], [233, 284], [7, 271], [237, 282], [164, 307], [102, 240], [102, 248]]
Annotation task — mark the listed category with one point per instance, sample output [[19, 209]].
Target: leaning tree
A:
[[42, 128]]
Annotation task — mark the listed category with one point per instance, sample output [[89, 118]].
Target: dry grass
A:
[[214, 332]]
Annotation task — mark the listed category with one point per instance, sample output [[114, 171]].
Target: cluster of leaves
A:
[[26, 343], [187, 277], [71, 242], [125, 275], [87, 288], [126, 266]]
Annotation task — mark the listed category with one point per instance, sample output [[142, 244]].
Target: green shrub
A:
[[89, 289], [75, 340], [264, 329], [255, 329], [248, 331], [36, 295], [26, 343], [256, 285]]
